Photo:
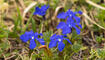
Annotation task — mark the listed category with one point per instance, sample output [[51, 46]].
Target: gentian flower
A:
[[66, 27], [58, 39], [41, 11], [32, 37], [70, 23], [69, 13]]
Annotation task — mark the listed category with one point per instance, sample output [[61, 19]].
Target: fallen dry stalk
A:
[[56, 12], [28, 8], [22, 4], [88, 18], [46, 50], [94, 4]]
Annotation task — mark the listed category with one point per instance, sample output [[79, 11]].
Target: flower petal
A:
[[64, 35], [59, 37], [44, 7], [66, 30], [70, 13], [37, 11], [52, 43], [68, 40], [54, 36], [79, 25], [24, 38], [32, 44], [77, 19], [70, 22], [77, 30], [80, 12], [62, 15], [42, 13], [29, 33], [40, 34], [61, 46], [61, 25], [41, 41]]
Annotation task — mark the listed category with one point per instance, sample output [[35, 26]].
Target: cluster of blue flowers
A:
[[72, 22], [41, 11], [32, 37]]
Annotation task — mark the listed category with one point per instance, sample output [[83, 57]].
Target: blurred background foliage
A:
[[89, 45]]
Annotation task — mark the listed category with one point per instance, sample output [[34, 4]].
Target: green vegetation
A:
[[89, 45]]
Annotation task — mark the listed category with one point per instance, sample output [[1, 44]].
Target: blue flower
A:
[[41, 11], [66, 27], [32, 36], [71, 14], [70, 23], [58, 39]]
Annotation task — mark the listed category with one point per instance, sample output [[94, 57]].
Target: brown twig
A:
[[95, 5], [89, 19]]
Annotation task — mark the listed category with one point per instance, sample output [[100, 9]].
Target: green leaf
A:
[[33, 25], [28, 21], [98, 39], [13, 35], [4, 45], [34, 56], [7, 55], [76, 47], [101, 53], [47, 35], [18, 20]]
